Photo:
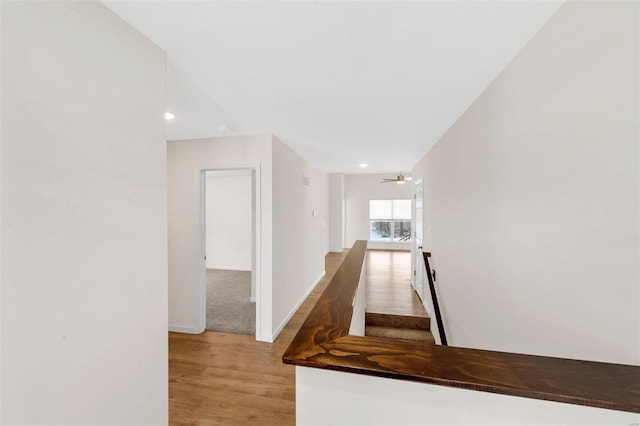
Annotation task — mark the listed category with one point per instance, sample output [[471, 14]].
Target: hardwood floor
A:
[[220, 378], [389, 288], [231, 379]]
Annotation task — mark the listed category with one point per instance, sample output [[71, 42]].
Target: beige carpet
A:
[[228, 305]]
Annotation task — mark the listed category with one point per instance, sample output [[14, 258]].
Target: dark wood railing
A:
[[324, 342], [434, 299]]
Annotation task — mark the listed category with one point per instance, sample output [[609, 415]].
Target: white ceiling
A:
[[341, 82]]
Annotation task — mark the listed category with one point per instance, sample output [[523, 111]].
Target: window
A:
[[390, 220]]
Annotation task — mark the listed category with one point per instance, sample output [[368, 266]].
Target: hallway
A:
[[227, 378], [218, 378], [389, 289]]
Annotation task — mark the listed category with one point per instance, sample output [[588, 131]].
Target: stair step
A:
[[397, 321], [400, 334]]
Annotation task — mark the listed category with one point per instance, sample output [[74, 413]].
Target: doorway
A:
[[230, 257], [417, 259]]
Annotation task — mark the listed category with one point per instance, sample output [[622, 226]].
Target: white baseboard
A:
[[388, 245], [265, 338], [295, 308], [230, 268], [184, 329]]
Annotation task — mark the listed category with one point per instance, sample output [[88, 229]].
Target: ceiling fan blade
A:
[[408, 178], [388, 180]]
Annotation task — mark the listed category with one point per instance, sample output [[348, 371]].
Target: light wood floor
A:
[[231, 379], [389, 288]]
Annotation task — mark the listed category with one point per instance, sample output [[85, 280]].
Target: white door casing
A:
[[416, 248], [256, 269]]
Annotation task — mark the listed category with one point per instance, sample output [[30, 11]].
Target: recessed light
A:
[[169, 116], [363, 165], [224, 128]]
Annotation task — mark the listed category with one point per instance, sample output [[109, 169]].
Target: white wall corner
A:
[[295, 308]]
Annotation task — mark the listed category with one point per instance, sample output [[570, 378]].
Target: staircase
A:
[[399, 327]]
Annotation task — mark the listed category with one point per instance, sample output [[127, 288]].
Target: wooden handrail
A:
[[324, 342], [434, 299]]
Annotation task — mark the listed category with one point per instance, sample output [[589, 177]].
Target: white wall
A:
[[84, 282], [1, 83], [364, 400], [229, 223], [300, 238], [293, 240], [361, 188], [336, 212], [186, 159], [532, 196]]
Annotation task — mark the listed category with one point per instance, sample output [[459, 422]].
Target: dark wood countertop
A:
[[324, 342]]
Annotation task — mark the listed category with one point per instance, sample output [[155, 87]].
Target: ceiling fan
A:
[[400, 179]]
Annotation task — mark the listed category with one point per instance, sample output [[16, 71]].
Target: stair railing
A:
[[434, 299], [323, 342]]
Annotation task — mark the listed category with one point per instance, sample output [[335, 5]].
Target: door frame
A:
[[256, 269], [416, 258]]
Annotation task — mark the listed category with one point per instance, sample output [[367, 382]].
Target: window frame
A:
[[392, 222]]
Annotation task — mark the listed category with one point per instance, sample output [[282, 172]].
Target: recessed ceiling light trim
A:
[[169, 116]]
